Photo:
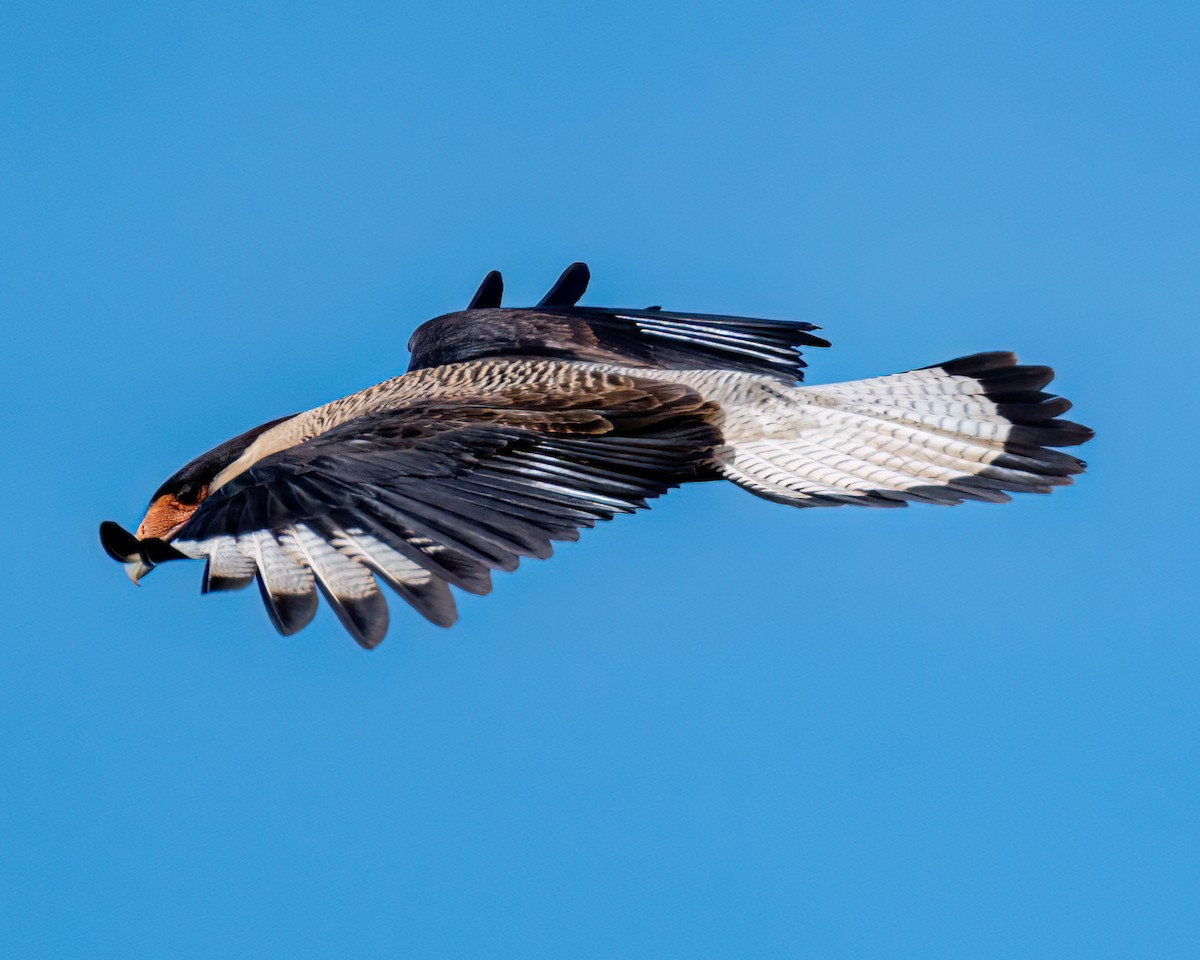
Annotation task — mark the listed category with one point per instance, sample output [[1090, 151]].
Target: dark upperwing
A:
[[650, 337]]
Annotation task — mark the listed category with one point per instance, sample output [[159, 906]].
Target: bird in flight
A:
[[516, 427]]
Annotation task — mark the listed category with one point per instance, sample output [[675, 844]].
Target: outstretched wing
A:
[[652, 337], [435, 495]]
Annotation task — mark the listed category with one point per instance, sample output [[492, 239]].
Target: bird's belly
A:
[[753, 407]]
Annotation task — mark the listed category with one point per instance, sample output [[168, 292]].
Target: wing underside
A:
[[425, 498]]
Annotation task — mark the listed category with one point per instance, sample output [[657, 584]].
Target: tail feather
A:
[[975, 428]]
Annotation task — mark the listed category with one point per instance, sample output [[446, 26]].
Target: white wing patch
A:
[[281, 570], [290, 565], [340, 576], [368, 549]]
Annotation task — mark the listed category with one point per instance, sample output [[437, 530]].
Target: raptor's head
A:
[[172, 506]]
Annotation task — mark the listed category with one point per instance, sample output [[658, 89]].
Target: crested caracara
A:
[[516, 427]]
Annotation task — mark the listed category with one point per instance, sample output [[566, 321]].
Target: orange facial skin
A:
[[166, 515]]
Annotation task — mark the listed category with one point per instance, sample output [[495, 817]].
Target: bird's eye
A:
[[188, 494]]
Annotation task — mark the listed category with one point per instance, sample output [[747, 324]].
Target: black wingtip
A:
[[124, 547], [489, 293], [159, 551], [289, 612], [569, 287], [119, 543]]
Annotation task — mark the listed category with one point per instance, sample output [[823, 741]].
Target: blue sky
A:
[[719, 729]]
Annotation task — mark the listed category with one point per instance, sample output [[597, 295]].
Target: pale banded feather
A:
[[348, 586]]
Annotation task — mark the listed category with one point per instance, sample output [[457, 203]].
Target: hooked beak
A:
[[136, 569]]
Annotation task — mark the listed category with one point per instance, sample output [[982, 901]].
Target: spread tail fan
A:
[[975, 428]]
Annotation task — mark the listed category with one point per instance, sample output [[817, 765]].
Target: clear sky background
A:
[[720, 729]]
